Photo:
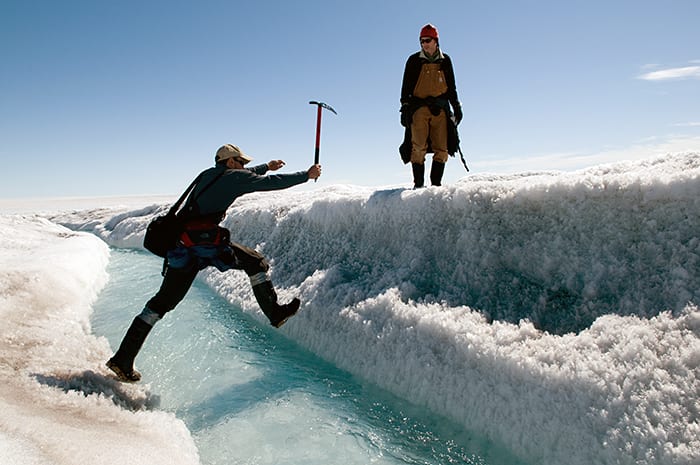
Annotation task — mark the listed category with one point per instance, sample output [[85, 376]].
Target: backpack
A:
[[163, 233]]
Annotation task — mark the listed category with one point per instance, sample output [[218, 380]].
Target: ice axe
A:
[[320, 106]]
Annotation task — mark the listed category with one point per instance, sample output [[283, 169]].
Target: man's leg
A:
[[256, 267], [420, 130], [436, 171], [122, 363], [175, 285], [418, 170], [438, 139], [266, 296]]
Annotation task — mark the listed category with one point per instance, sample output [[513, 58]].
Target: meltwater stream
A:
[[250, 396]]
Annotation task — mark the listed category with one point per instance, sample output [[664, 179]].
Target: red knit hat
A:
[[429, 31]]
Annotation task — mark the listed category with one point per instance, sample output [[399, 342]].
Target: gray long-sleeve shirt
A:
[[232, 184]]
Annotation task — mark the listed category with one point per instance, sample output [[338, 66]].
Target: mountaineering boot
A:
[[418, 175], [436, 172], [267, 299], [122, 363]]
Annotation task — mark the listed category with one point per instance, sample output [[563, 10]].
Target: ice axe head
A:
[[323, 105]]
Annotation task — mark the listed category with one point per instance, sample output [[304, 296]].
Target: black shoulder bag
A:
[[163, 232]]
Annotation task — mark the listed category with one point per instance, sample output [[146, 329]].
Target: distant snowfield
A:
[[33, 206], [556, 312]]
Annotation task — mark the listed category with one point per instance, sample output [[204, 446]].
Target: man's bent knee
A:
[[149, 316], [258, 278], [441, 157]]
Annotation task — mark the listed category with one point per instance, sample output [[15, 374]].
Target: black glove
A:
[[457, 109], [406, 115]]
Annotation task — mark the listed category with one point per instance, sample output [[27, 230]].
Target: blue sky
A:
[[126, 98]]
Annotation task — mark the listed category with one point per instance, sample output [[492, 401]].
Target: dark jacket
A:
[[410, 79], [411, 103], [229, 184]]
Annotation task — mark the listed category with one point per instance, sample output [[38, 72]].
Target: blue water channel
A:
[[251, 396]]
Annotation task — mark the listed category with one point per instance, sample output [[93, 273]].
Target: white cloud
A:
[[686, 72], [690, 124]]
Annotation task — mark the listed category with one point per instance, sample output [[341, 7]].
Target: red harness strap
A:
[[201, 232]]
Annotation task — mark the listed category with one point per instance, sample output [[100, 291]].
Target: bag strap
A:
[[199, 194], [216, 178], [176, 205]]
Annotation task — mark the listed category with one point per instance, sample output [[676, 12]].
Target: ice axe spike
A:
[[320, 106]]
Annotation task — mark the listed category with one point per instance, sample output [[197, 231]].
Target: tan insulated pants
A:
[[425, 125]]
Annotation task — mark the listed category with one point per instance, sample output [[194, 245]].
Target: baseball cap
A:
[[232, 151]]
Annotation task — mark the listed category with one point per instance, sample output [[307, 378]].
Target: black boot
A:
[[267, 299], [436, 172], [122, 363], [418, 175]]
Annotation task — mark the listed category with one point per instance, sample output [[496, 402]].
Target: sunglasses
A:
[[426, 41]]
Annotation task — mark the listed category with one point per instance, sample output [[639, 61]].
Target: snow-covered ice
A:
[[555, 312]]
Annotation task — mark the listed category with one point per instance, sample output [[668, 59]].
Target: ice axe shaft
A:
[[320, 106]]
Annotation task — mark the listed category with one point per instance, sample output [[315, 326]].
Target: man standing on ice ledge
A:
[[427, 91], [204, 243]]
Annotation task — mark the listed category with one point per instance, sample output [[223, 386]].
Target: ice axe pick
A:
[[320, 106]]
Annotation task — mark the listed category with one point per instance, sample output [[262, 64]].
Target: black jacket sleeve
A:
[[449, 73], [410, 77]]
